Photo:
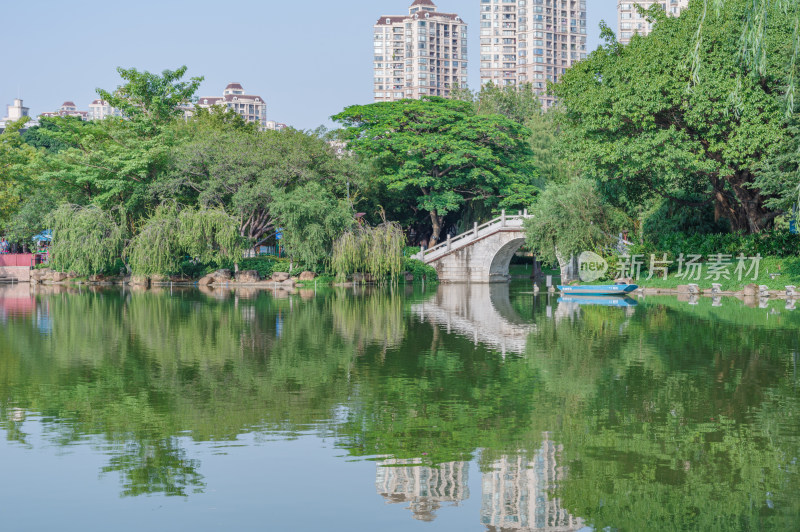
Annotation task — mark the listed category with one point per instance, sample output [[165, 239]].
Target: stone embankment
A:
[[750, 290], [217, 278]]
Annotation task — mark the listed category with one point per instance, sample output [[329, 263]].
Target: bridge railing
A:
[[501, 222]]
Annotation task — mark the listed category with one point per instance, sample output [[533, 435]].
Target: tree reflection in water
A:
[[670, 416]]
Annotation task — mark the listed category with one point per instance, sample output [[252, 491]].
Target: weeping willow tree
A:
[[759, 17], [370, 250], [86, 240], [171, 235], [155, 248]]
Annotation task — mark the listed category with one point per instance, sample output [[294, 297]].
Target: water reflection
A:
[[423, 488], [482, 312], [669, 415], [517, 493]]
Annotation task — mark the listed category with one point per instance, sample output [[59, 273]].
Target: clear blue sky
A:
[[307, 59]]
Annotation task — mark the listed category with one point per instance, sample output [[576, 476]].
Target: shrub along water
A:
[[767, 244], [377, 251]]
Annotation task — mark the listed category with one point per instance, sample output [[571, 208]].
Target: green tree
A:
[[244, 172], [15, 157], [86, 240], [170, 235], [113, 162], [759, 15], [41, 136], [551, 154], [30, 218], [779, 176], [373, 250], [568, 219], [635, 125], [516, 103], [442, 154], [152, 98], [311, 218]]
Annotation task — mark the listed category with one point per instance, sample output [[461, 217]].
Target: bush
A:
[[767, 244], [420, 270], [266, 266]]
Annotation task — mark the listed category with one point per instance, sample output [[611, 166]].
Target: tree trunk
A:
[[564, 267], [725, 206], [744, 206], [752, 203], [436, 227]]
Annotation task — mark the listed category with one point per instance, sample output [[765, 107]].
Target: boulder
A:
[[97, 278], [158, 278], [409, 277], [358, 277], [750, 290], [40, 275], [72, 275], [288, 283], [248, 276], [140, 280], [222, 275], [279, 277], [59, 277], [205, 281], [307, 276]]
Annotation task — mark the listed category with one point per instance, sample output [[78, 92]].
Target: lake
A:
[[482, 408]]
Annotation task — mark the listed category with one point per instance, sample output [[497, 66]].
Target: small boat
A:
[[603, 301], [598, 290]]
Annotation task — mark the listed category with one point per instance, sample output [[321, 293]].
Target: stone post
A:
[[503, 218], [475, 229], [449, 242]]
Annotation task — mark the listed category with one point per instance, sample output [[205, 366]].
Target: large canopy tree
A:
[[441, 154], [112, 162], [246, 172], [639, 125], [14, 159]]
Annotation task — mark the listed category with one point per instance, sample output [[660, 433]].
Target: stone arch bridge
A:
[[480, 255]]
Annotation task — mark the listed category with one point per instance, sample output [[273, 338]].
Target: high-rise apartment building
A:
[[420, 54], [531, 41], [252, 108], [632, 22]]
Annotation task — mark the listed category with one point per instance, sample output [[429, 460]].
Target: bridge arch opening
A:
[[498, 270]]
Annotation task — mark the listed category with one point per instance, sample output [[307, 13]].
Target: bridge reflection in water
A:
[[482, 312], [516, 489]]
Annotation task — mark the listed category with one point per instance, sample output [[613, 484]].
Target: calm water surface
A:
[[456, 408]]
